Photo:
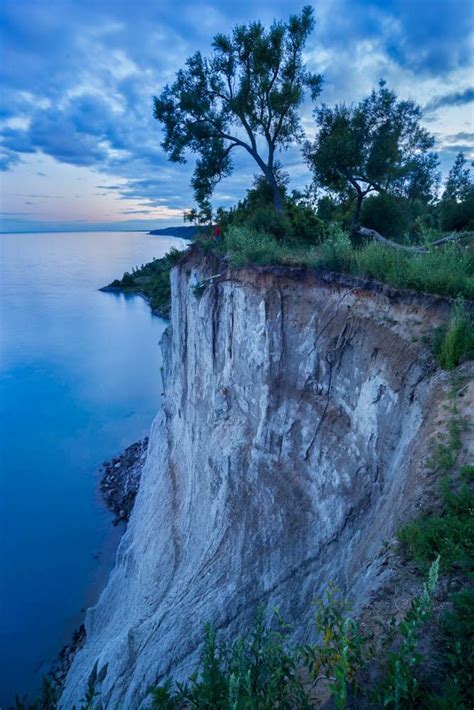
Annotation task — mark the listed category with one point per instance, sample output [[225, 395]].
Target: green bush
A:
[[400, 687], [455, 343], [246, 246], [306, 226], [387, 214], [458, 216], [450, 535], [267, 220], [262, 671], [343, 653], [127, 280], [336, 253], [458, 629], [256, 671], [448, 271]]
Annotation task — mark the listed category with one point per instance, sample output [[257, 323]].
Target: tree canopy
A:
[[246, 96], [377, 145], [456, 208], [459, 183]]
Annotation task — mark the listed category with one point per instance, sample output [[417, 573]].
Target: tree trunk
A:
[[277, 200], [356, 217]]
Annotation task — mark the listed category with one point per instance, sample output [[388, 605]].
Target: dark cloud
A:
[[11, 214], [455, 98], [456, 148], [462, 136]]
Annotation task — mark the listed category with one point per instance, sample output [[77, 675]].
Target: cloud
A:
[[454, 98], [13, 214], [462, 136]]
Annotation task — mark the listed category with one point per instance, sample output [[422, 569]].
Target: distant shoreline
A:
[[182, 232]]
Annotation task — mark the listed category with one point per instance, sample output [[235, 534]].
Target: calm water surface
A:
[[79, 381]]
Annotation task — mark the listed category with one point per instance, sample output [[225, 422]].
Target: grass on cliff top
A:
[[448, 271]]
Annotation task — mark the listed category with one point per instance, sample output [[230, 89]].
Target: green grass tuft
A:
[[455, 343]]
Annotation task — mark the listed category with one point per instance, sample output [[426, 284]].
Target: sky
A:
[[81, 149]]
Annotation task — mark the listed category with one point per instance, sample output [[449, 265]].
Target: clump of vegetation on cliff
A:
[[454, 343], [151, 280]]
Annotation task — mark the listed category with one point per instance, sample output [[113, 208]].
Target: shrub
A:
[[336, 252], [255, 671], [343, 654], [458, 216], [455, 343], [400, 687], [152, 280], [458, 629], [267, 220], [387, 214], [449, 533], [305, 226], [248, 246]]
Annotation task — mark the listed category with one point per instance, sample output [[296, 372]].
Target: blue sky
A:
[[80, 148]]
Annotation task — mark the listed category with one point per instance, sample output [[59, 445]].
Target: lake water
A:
[[79, 381]]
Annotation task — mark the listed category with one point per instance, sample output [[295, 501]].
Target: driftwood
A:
[[372, 234]]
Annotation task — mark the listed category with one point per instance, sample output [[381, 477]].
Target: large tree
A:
[[246, 96], [375, 146]]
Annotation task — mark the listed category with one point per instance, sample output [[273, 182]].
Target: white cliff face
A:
[[290, 447]]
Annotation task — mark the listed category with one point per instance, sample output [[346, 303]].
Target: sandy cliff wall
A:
[[292, 442]]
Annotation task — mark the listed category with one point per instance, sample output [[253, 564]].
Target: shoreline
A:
[[163, 313], [118, 485]]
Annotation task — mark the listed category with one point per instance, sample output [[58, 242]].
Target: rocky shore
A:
[[120, 480], [119, 484], [66, 656]]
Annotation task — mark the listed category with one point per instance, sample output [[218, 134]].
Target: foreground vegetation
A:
[[264, 670]]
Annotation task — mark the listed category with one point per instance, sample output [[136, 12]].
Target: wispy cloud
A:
[[454, 98]]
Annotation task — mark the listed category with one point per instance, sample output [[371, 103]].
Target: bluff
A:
[[298, 413]]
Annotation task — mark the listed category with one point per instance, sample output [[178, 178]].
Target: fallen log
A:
[[372, 234]]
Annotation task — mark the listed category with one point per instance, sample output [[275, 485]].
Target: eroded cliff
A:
[[296, 423]]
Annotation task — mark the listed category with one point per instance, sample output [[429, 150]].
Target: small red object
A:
[[217, 232]]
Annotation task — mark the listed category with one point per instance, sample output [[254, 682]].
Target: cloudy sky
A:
[[81, 149]]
